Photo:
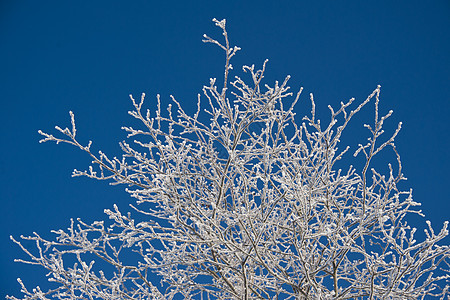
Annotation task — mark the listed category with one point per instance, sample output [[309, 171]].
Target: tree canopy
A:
[[243, 201]]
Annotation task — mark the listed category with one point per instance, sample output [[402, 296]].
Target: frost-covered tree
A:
[[241, 201]]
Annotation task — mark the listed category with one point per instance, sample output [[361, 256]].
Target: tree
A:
[[239, 201]]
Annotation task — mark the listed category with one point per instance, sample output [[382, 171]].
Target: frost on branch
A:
[[241, 201]]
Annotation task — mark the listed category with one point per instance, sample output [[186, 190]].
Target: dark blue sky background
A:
[[87, 56]]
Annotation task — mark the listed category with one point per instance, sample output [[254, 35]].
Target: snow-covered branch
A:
[[240, 201]]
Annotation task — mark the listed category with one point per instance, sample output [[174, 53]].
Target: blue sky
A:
[[87, 56]]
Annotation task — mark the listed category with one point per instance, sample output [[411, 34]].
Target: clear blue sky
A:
[[87, 56]]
